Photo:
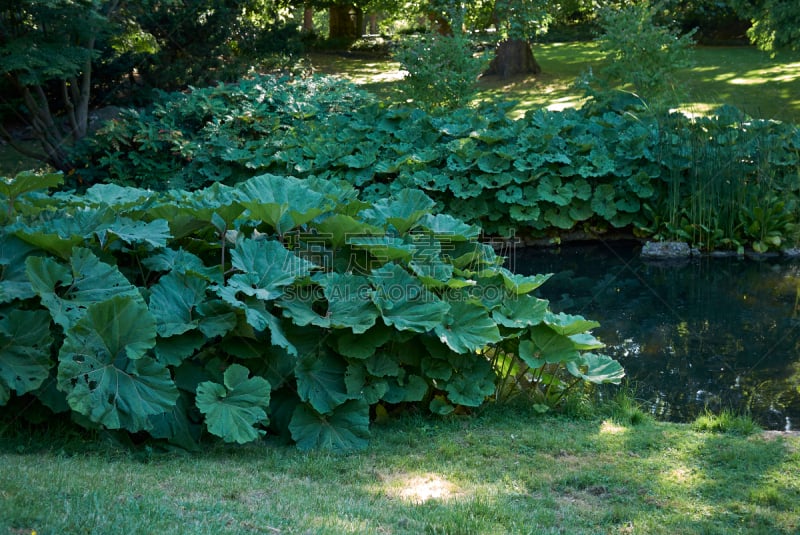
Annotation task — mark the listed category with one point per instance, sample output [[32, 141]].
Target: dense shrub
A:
[[279, 303], [441, 70], [642, 54], [610, 165]]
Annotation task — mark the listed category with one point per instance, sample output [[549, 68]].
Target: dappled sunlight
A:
[[757, 84], [610, 428], [564, 103], [786, 72], [420, 488], [697, 109], [683, 476]]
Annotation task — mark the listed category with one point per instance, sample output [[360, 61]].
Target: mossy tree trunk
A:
[[513, 57]]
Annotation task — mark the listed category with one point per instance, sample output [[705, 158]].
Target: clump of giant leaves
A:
[[589, 170], [279, 304]]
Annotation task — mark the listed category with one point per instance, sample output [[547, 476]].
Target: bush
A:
[[279, 303], [718, 182], [643, 53], [442, 71]]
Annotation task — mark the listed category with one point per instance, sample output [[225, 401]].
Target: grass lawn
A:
[[504, 471], [744, 77]]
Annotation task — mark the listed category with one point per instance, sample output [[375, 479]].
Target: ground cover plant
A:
[[505, 470], [278, 303], [725, 181]]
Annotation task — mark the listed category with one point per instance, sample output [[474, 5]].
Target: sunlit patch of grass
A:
[[758, 84], [505, 471]]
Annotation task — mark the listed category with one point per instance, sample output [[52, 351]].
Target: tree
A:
[[46, 52], [642, 54], [518, 21], [346, 21], [775, 23], [50, 51]]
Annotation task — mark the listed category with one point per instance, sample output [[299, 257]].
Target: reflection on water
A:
[[716, 333]]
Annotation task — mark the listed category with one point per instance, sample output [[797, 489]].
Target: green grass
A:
[[504, 471], [745, 77]]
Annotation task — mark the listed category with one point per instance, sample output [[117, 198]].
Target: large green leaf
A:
[[104, 369], [361, 385], [234, 409], [382, 364], [473, 381], [361, 345], [189, 211], [586, 341], [383, 248], [60, 231], [28, 181], [14, 283], [408, 389], [568, 324], [117, 197], [182, 262], [467, 328], [349, 301], [521, 311], [58, 244], [298, 304], [522, 284], [24, 349], [404, 302], [597, 368], [338, 228], [403, 211], [173, 301], [216, 318], [283, 202], [265, 268], [174, 350], [154, 233], [67, 291], [320, 380], [258, 317], [345, 429], [446, 227], [550, 346]]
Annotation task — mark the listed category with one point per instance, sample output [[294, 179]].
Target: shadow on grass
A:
[[506, 470]]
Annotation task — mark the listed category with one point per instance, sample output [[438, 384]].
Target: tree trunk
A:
[[308, 19], [441, 24], [346, 21], [513, 57], [373, 24]]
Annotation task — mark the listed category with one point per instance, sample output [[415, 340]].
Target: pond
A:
[[697, 334]]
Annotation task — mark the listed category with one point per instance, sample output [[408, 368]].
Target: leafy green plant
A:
[[587, 171], [643, 53], [442, 70], [279, 303], [726, 422]]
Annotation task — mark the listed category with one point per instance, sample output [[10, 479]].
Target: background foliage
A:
[[611, 165]]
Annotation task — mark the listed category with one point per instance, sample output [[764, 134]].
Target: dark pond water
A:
[[709, 333]]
